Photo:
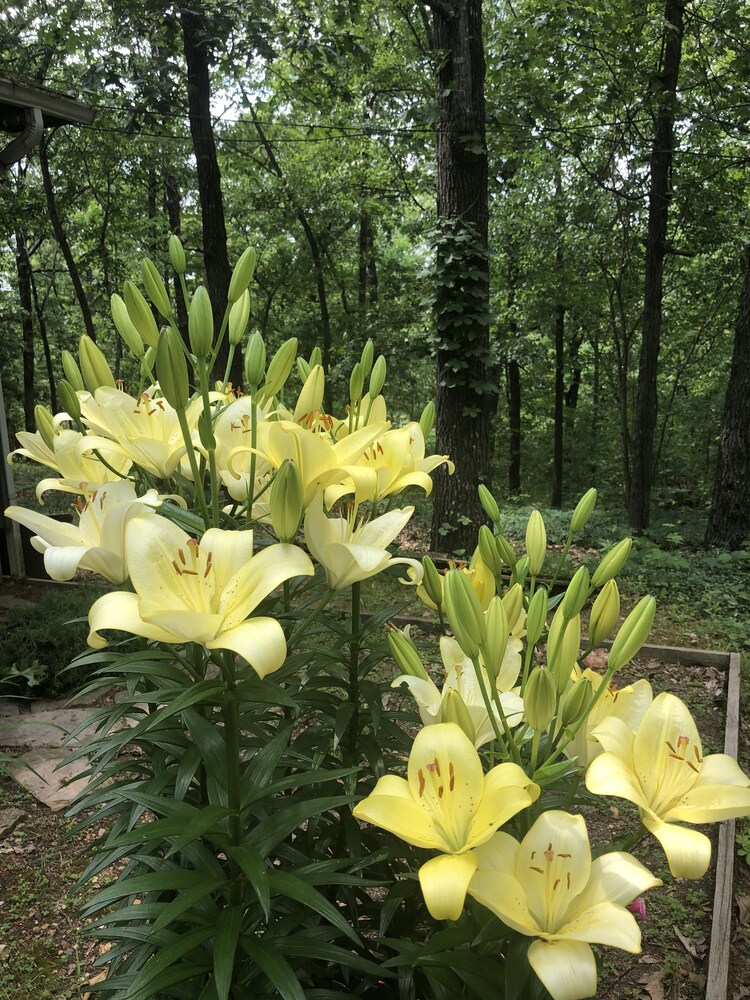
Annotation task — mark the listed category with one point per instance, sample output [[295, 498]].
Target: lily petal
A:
[[120, 611], [260, 641], [391, 807], [609, 775], [688, 851], [567, 968], [444, 881], [605, 923]]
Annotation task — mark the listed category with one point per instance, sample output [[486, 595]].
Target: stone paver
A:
[[9, 818], [44, 728], [48, 784]]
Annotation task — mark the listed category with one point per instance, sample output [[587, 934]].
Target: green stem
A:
[[503, 740], [197, 478], [227, 370], [213, 475], [303, 625], [351, 754], [566, 549]]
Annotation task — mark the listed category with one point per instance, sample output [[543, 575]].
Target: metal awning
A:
[[17, 95]]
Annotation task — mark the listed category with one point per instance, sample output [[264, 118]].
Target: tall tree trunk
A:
[[363, 272], [729, 520], [195, 37], [557, 457], [172, 202], [23, 270], [514, 420], [465, 382], [62, 240], [44, 337], [660, 195]]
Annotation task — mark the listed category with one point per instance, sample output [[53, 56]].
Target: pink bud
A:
[[638, 907]]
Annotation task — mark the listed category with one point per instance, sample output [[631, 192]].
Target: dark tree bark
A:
[[23, 270], [466, 385], [660, 195], [729, 520], [557, 457], [218, 272], [44, 337], [513, 374], [172, 202], [62, 240]]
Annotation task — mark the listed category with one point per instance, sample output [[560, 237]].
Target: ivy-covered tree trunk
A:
[[729, 520], [660, 195], [465, 391]]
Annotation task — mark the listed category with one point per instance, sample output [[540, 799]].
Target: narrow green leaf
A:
[[187, 898], [225, 947], [207, 818], [254, 867], [276, 969], [295, 888], [269, 832]]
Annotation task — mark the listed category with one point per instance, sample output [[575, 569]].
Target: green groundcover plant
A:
[[275, 825]]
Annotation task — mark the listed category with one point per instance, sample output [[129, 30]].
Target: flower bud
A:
[[576, 594], [171, 369], [536, 616], [513, 604], [498, 631], [72, 371], [316, 357], [612, 563], [563, 647], [583, 511], [377, 377], [69, 399], [488, 551], [575, 702], [149, 360], [405, 655], [310, 399], [45, 425], [239, 314], [94, 368], [464, 612], [633, 633], [155, 288], [303, 370], [356, 383], [242, 274], [506, 550], [177, 255], [201, 323], [520, 570], [255, 360], [427, 420], [368, 354], [432, 582], [539, 699], [536, 542], [125, 327], [140, 313], [286, 501], [453, 709], [280, 367], [604, 613], [489, 504]]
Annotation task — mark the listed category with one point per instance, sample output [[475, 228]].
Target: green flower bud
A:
[[316, 357], [605, 613], [427, 419], [540, 699], [536, 542], [368, 354], [149, 360], [310, 399], [356, 383], [72, 371], [633, 633], [453, 709], [155, 288], [255, 360], [280, 367], [464, 613], [513, 604], [576, 594], [583, 511], [242, 275], [498, 632], [239, 314], [612, 563], [303, 370], [69, 399], [405, 654], [536, 616], [125, 327], [575, 702], [377, 377], [286, 501], [201, 323], [506, 550], [140, 313], [177, 255], [45, 425], [432, 582], [96, 372], [489, 504], [171, 369], [520, 570], [488, 551], [563, 647]]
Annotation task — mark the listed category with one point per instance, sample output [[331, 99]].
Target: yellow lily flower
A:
[[547, 887], [480, 577], [232, 432], [662, 770], [97, 542], [72, 456], [447, 804], [353, 548], [626, 703], [191, 592], [461, 678]]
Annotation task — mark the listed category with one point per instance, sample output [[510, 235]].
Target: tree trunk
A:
[[172, 201], [557, 458], [729, 520], [660, 195], [218, 272], [466, 386], [514, 420], [62, 240], [44, 337], [23, 269]]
